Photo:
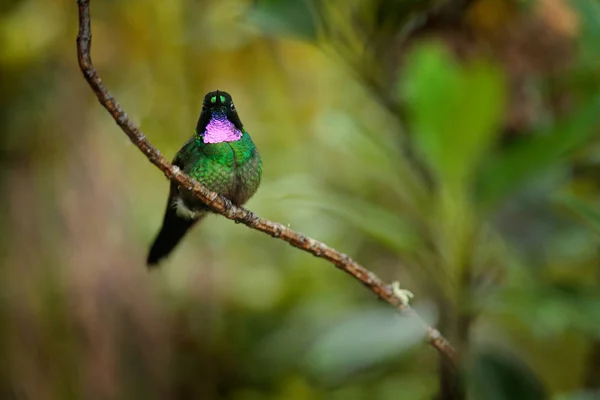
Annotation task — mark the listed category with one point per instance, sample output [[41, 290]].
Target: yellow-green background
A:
[[236, 314]]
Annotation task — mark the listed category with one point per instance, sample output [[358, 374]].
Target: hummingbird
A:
[[222, 157]]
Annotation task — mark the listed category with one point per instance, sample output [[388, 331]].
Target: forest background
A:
[[450, 145]]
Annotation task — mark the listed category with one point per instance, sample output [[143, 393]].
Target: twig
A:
[[224, 207]]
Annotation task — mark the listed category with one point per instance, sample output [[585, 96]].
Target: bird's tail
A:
[[173, 229]]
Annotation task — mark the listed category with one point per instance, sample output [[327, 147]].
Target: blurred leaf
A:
[[586, 211], [387, 227], [369, 152], [589, 13], [362, 340], [506, 171], [498, 376], [549, 310], [293, 17], [454, 110], [369, 158], [580, 395]]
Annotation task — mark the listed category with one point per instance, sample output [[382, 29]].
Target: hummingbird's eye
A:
[[231, 107], [204, 108]]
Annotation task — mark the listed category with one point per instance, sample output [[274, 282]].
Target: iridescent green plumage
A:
[[222, 157], [232, 169]]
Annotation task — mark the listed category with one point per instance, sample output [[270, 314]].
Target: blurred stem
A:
[[455, 320], [592, 374], [458, 231], [223, 206], [450, 387]]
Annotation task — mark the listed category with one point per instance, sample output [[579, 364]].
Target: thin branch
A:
[[224, 207]]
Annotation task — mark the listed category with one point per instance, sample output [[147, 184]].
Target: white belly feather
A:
[[183, 211]]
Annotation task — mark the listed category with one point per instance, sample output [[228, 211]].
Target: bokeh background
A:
[[451, 145]]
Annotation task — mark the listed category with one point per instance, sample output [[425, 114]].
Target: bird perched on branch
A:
[[220, 156]]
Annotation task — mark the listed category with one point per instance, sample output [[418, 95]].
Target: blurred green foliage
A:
[[450, 145]]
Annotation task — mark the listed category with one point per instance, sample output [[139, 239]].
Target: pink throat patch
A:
[[221, 130]]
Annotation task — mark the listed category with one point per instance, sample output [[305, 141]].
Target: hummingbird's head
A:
[[219, 120]]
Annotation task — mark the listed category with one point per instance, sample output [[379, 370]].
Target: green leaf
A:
[[454, 111], [387, 227], [588, 15], [580, 395], [506, 171], [496, 375], [589, 213], [364, 339], [292, 17]]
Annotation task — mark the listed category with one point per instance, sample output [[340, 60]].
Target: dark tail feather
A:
[[173, 229]]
